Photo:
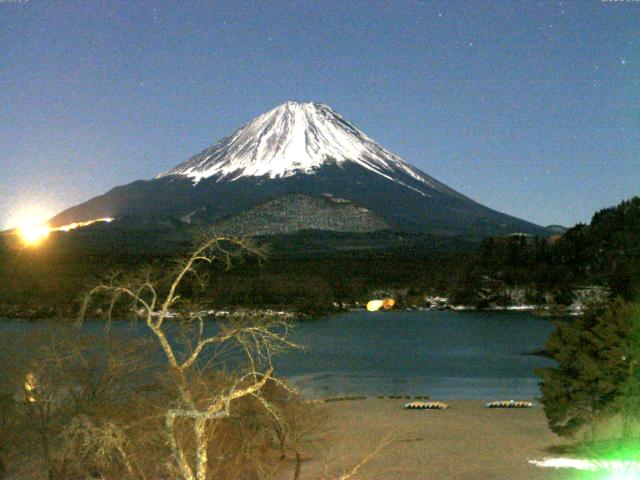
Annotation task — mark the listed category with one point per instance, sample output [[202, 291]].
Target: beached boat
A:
[[426, 406], [509, 404]]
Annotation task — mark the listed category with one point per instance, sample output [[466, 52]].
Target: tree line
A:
[[48, 281], [605, 252]]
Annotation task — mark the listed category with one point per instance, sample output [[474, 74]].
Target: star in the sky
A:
[[623, 61]]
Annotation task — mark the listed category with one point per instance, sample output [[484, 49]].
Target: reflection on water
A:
[[447, 355]]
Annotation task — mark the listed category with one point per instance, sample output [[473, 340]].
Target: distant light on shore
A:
[[376, 305]]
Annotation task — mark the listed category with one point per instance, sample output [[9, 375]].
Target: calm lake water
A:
[[444, 354]]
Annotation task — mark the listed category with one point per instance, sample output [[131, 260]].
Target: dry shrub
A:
[[58, 381]]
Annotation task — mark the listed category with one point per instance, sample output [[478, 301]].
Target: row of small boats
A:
[[509, 404], [442, 405], [426, 406]]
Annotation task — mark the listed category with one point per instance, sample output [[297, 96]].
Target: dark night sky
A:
[[531, 108]]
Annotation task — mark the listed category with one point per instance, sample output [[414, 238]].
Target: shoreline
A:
[[543, 311]]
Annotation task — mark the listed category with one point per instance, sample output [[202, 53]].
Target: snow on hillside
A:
[[296, 138]]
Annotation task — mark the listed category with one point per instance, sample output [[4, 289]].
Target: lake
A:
[[443, 354]]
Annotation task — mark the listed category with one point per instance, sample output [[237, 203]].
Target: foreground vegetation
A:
[[181, 402], [592, 395]]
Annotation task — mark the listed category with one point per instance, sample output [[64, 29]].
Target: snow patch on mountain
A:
[[296, 138]]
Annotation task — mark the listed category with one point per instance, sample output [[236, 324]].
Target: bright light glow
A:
[[614, 469], [375, 305], [32, 229], [30, 385], [71, 226], [30, 226], [33, 233], [626, 475], [388, 303]]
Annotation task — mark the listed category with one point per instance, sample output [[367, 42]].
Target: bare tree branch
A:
[[258, 339]]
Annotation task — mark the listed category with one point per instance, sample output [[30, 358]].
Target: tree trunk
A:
[[296, 473], [44, 440], [626, 422], [178, 454], [282, 436], [202, 460], [595, 429]]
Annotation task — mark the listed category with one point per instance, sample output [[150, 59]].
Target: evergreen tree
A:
[[628, 402], [596, 375]]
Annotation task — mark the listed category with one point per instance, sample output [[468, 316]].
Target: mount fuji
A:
[[300, 166]]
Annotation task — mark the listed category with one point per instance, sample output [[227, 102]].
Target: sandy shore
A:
[[466, 441]]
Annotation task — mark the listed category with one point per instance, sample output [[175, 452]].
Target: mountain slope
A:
[[300, 148], [299, 212]]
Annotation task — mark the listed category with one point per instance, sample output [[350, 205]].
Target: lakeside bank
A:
[[465, 441]]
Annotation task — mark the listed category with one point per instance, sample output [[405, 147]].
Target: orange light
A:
[[376, 305], [388, 303], [30, 226], [33, 233]]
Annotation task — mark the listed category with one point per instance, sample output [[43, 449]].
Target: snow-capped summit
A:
[[295, 138], [300, 166]]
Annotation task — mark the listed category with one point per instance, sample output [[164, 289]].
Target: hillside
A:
[[606, 253]]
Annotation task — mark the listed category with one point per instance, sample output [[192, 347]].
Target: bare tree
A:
[[297, 428], [198, 408], [76, 405]]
